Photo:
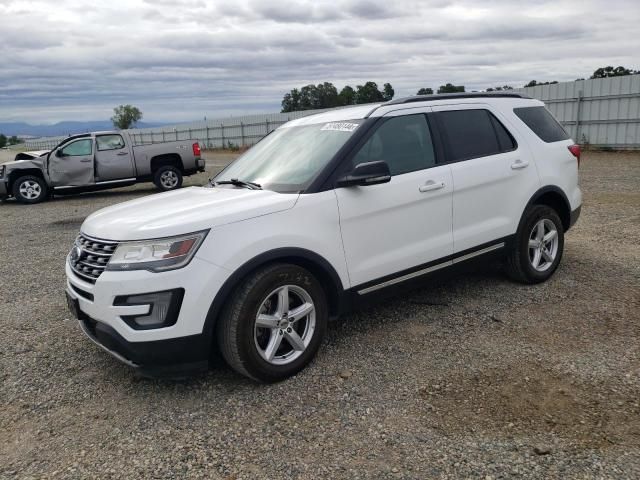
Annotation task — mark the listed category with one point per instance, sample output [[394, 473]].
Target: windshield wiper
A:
[[239, 183]]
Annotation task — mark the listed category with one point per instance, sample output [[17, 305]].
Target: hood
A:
[[183, 211], [15, 164]]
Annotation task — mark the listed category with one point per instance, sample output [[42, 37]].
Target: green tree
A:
[[449, 88], [291, 101], [534, 83], [609, 71], [327, 95], [125, 116], [14, 140], [3, 140], [347, 96], [425, 91], [388, 92], [368, 93]]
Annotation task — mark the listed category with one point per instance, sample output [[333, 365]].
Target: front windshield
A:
[[290, 158]]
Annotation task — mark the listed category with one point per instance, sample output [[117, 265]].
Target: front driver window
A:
[[403, 142], [109, 142], [78, 148]]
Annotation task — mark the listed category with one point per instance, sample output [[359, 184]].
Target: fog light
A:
[[164, 308]]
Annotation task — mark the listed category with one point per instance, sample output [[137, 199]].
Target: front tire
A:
[[538, 246], [273, 324], [167, 178], [30, 189]]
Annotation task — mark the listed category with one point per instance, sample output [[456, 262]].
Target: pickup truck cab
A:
[[99, 160]]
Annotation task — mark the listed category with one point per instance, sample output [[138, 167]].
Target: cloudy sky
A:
[[181, 60]]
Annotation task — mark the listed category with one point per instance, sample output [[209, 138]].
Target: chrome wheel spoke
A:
[[550, 236], [536, 259], [267, 321], [534, 244], [301, 311], [540, 231], [283, 301], [294, 340], [273, 345]]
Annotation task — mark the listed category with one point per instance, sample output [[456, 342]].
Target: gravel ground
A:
[[473, 377]]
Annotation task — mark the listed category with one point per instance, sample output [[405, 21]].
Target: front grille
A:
[[89, 257]]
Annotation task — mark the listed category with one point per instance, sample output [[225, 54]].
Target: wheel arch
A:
[[172, 159], [316, 264], [16, 174], [553, 197]]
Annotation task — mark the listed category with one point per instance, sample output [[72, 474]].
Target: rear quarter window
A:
[[542, 123]]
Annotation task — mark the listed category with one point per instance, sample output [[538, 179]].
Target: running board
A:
[[433, 268], [107, 182]]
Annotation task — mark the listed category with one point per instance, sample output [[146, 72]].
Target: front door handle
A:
[[518, 164], [430, 186], [86, 160], [122, 153]]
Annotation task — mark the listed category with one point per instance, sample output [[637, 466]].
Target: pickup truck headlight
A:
[[156, 255]]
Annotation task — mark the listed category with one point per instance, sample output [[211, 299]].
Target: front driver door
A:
[[393, 229], [72, 164]]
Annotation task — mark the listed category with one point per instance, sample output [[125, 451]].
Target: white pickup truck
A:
[[96, 161]]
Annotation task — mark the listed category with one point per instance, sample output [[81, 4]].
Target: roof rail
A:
[[447, 96]]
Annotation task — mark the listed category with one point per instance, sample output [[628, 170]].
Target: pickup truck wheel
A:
[[30, 189], [538, 246], [273, 323], [167, 178]]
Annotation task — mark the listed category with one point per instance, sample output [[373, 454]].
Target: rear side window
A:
[[542, 123], [109, 142], [474, 133]]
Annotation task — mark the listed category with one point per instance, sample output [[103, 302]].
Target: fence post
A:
[[176, 130], [242, 132], [267, 124], [163, 137], [222, 133], [578, 105], [190, 134], [207, 141]]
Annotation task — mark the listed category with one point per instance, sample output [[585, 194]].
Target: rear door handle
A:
[[430, 186], [87, 160], [518, 164]]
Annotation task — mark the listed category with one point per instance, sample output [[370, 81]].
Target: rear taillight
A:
[[197, 152], [575, 151]]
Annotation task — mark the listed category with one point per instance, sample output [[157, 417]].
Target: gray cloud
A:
[[184, 59]]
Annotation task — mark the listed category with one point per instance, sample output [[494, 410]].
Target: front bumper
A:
[[182, 346]]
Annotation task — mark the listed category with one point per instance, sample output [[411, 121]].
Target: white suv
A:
[[322, 213]]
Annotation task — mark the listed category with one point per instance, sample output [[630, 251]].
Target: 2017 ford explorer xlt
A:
[[326, 210]]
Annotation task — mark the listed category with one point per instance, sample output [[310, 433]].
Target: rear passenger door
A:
[[113, 160], [397, 226], [493, 173]]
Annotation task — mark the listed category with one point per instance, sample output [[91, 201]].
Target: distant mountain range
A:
[[62, 128]]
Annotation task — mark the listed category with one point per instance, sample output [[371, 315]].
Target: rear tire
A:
[[167, 178], [273, 323], [538, 246], [30, 189]]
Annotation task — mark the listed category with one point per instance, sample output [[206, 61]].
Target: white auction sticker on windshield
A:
[[340, 126]]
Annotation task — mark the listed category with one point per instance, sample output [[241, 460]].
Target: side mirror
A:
[[59, 153], [370, 173]]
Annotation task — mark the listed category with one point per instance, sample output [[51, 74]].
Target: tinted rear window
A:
[[542, 123], [473, 133]]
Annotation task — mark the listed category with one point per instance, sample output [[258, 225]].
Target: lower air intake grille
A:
[[89, 257]]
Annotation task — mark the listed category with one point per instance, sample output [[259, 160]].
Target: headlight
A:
[[156, 255]]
